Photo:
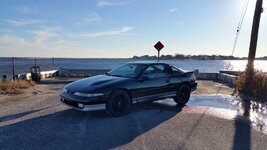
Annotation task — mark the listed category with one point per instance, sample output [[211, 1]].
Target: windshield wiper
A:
[[116, 75]]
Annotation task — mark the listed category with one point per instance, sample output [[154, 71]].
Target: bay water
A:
[[22, 65]]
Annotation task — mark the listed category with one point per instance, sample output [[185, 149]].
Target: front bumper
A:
[[81, 106], [83, 103]]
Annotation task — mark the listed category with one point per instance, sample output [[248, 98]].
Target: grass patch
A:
[[257, 86], [13, 87]]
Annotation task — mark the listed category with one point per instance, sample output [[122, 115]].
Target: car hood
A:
[[87, 84]]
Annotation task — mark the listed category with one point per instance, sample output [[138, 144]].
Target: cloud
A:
[[104, 3], [27, 9], [6, 30], [23, 22], [44, 35], [12, 39], [91, 18], [114, 32], [13, 45], [172, 10], [52, 41]]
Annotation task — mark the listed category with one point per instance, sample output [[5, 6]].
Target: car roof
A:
[[147, 62]]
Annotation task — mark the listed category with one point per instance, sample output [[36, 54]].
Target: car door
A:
[[175, 79], [155, 84]]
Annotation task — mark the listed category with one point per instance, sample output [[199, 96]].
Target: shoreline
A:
[[163, 57], [205, 66]]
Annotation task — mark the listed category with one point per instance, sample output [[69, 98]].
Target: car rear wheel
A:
[[183, 95], [118, 103]]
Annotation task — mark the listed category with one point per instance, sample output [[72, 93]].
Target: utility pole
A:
[[253, 42]]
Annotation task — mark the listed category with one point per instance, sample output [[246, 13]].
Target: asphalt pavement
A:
[[40, 121]]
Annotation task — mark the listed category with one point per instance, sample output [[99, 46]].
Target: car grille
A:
[[72, 103]]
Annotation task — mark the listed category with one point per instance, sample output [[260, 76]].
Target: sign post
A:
[[158, 46], [158, 56]]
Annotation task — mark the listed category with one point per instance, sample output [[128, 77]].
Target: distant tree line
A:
[[196, 57]]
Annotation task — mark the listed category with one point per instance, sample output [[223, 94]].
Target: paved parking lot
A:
[[37, 120]]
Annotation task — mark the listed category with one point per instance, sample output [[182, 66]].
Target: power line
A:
[[239, 27]]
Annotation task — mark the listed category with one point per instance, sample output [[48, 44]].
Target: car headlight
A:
[[65, 90], [88, 94]]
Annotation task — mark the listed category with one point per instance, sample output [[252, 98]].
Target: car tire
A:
[[183, 95], [118, 103]]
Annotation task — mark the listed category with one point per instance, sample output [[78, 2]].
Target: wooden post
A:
[[53, 61], [13, 67], [253, 42], [4, 77]]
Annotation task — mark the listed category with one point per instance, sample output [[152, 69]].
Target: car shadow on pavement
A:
[[15, 116], [71, 129]]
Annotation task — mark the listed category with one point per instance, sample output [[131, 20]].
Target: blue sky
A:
[[123, 28]]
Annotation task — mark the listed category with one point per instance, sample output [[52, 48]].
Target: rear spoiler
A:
[[187, 74]]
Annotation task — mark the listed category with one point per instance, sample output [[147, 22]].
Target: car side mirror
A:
[[143, 78]]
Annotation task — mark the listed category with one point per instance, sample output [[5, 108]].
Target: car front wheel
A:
[[183, 95], [118, 103]]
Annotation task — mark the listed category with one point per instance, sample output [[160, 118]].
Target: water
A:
[[23, 64]]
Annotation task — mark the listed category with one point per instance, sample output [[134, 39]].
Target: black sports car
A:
[[131, 83]]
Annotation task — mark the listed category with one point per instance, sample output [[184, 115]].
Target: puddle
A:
[[221, 101], [255, 111]]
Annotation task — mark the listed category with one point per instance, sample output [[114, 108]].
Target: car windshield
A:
[[128, 70]]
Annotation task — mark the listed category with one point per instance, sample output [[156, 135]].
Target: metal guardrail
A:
[[12, 67], [81, 72], [223, 77]]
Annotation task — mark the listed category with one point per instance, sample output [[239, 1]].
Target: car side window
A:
[[176, 71], [127, 70], [155, 71]]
